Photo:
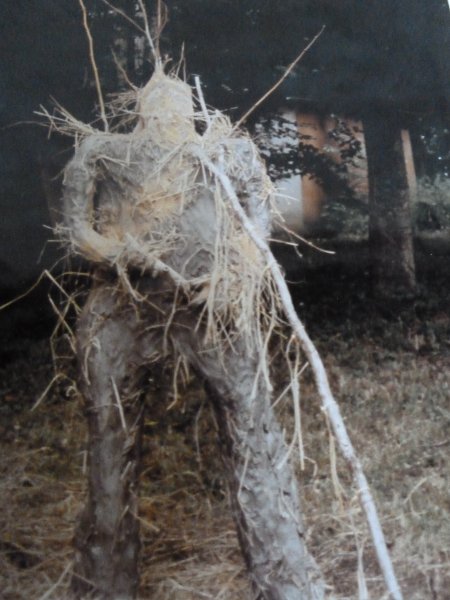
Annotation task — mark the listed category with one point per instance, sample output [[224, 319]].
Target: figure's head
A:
[[165, 107]]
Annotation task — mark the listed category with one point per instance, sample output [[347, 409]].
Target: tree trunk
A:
[[390, 224]]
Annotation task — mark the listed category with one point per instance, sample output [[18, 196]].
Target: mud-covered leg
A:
[[263, 486], [111, 353]]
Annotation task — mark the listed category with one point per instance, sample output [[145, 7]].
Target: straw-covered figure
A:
[[178, 275]]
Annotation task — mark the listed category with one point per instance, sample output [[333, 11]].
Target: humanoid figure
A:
[[143, 209]]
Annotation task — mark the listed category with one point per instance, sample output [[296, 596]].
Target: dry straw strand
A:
[[286, 73], [94, 65]]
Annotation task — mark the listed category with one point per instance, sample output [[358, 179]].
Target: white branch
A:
[[329, 404], [201, 99]]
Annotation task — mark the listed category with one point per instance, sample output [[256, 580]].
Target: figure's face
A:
[[166, 103]]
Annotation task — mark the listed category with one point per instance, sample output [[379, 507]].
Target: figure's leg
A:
[[263, 485], [110, 354]]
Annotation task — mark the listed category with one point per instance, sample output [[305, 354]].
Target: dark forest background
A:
[[387, 60]]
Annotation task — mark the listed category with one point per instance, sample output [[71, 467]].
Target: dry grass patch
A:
[[397, 408]]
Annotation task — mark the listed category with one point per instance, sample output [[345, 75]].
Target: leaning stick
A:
[[201, 99], [329, 404]]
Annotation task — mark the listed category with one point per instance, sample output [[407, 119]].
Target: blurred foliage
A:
[[288, 152]]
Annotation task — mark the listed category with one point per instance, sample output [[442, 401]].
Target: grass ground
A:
[[390, 370]]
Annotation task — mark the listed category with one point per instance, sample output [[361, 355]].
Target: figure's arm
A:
[[80, 181]]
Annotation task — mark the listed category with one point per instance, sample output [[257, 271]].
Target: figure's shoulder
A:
[[237, 150], [244, 155], [103, 145]]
